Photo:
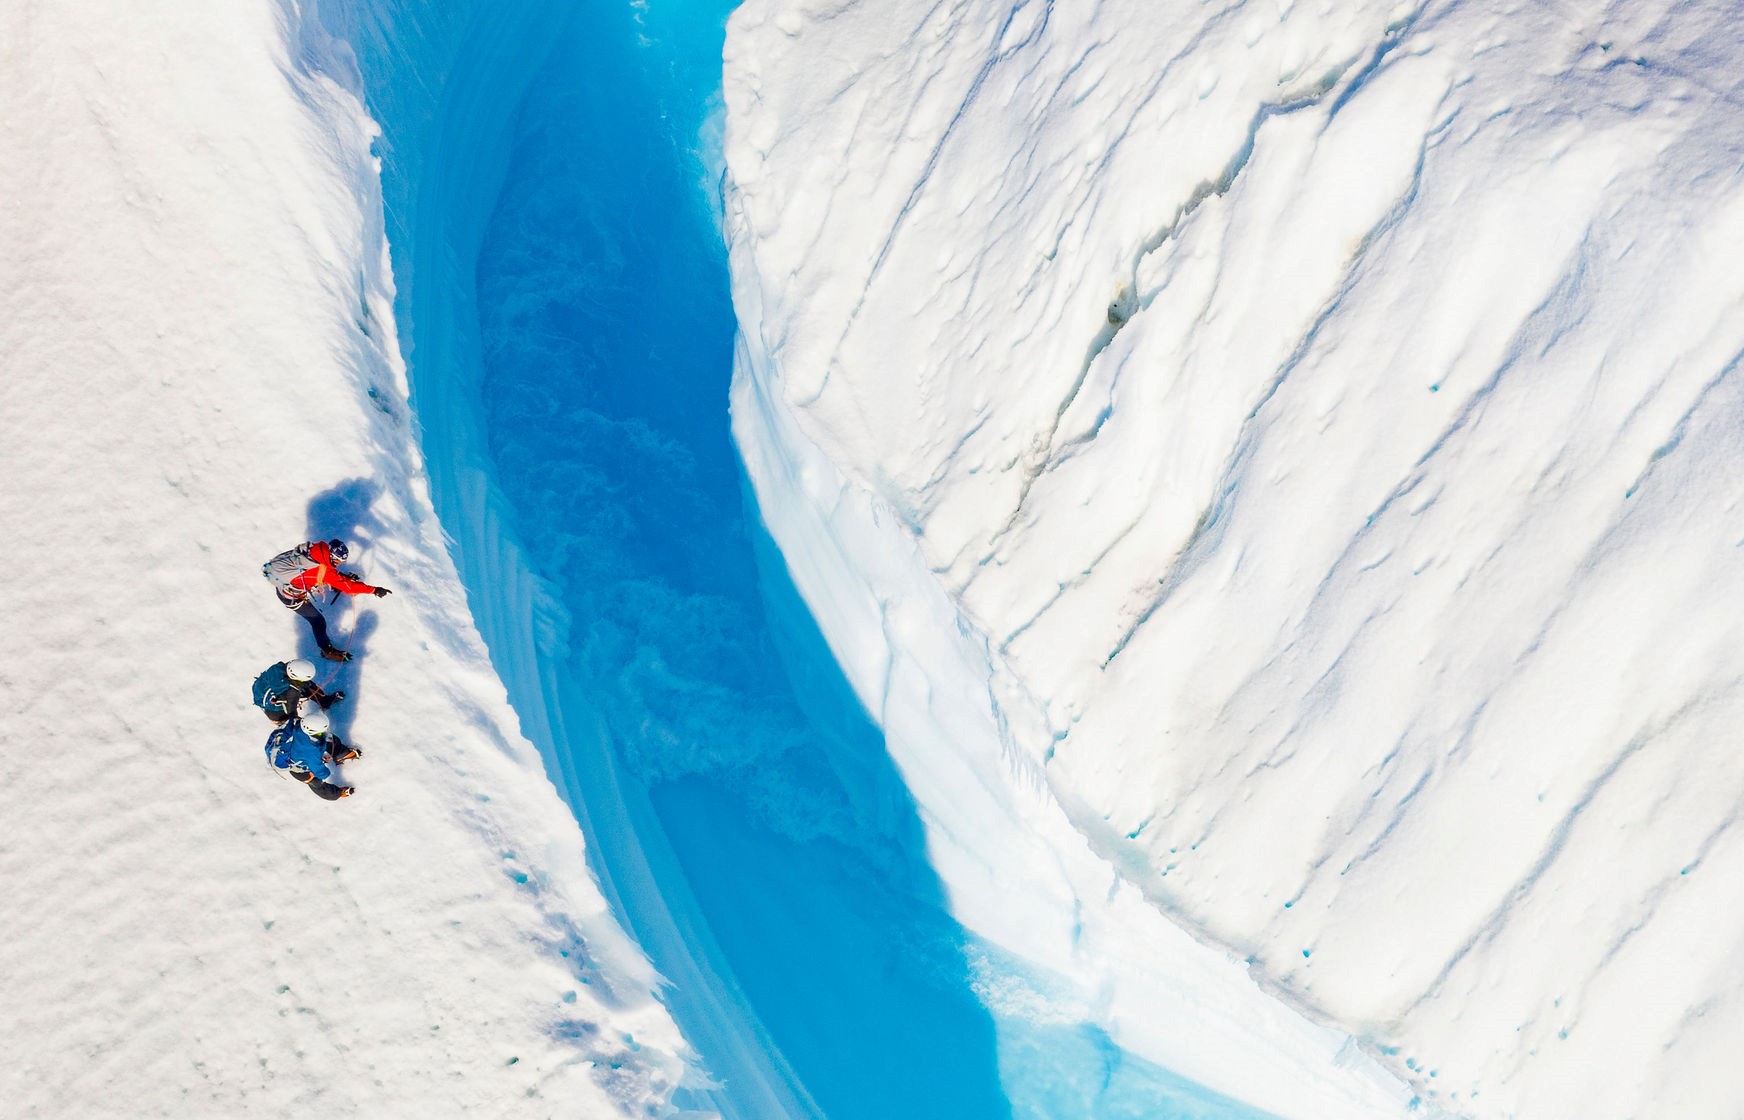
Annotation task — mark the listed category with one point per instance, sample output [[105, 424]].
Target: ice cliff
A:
[[1288, 452]]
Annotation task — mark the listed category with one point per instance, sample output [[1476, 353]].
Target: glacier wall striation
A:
[[1287, 451]]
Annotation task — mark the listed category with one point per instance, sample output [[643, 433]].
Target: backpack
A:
[[290, 748], [276, 694], [287, 566]]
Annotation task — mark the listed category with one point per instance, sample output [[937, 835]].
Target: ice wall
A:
[[1284, 451]]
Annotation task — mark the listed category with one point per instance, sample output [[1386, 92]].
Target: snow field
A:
[[1312, 431], [201, 370]]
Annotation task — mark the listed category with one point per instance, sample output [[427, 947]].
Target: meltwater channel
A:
[[606, 334], [551, 207]]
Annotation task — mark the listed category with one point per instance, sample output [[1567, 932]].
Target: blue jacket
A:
[[291, 748]]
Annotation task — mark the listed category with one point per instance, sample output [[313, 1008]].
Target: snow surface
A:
[[1271, 466], [200, 369]]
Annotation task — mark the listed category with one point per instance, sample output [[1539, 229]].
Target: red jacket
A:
[[324, 573]]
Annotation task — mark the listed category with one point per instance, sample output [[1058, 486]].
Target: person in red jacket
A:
[[299, 574]]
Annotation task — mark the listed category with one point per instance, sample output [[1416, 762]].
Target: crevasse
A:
[[563, 300], [563, 287]]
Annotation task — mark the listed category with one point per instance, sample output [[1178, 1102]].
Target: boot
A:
[[332, 654]]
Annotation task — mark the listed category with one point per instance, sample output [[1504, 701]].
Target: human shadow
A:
[[344, 511]]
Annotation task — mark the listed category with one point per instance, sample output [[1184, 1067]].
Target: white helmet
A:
[[315, 722], [301, 671]]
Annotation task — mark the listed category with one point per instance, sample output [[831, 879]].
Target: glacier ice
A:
[[1302, 436]]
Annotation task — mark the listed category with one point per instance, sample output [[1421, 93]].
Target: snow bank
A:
[[201, 369], [1271, 467]]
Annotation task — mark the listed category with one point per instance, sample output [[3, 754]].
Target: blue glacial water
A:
[[563, 302], [606, 334]]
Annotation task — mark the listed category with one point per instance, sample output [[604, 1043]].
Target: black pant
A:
[[326, 791], [307, 611]]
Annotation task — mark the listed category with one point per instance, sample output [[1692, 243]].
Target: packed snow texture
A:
[[200, 369], [1296, 445]]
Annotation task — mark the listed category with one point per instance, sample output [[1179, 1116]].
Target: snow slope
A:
[[1271, 466], [200, 365]]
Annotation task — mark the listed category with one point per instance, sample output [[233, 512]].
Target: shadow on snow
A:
[[343, 511]]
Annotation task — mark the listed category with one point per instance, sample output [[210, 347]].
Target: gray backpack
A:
[[287, 566]]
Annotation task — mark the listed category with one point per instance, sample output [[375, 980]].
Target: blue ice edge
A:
[[804, 994]]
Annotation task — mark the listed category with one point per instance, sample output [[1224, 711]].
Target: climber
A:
[[296, 575], [283, 687], [320, 728], [297, 748]]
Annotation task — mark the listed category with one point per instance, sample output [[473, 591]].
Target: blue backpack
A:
[[290, 748], [276, 694]]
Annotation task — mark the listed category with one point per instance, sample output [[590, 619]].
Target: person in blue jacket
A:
[[307, 749]]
